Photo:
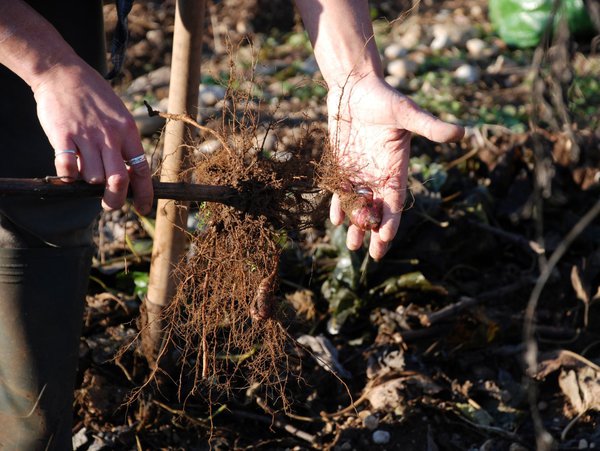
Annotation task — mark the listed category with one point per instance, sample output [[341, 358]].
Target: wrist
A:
[[29, 45], [41, 73]]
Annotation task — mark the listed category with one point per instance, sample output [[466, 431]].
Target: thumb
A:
[[412, 118]]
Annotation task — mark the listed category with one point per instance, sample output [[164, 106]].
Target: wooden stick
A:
[[171, 217], [53, 187]]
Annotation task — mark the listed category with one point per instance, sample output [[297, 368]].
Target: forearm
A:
[[342, 37], [29, 45]]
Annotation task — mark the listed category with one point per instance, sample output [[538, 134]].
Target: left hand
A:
[[370, 126]]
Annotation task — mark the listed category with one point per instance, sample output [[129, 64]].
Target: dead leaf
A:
[[580, 290], [581, 386], [325, 354], [387, 396], [579, 378]]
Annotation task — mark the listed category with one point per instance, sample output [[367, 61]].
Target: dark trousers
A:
[[45, 255]]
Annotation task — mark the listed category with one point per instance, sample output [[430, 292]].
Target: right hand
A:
[[78, 110]]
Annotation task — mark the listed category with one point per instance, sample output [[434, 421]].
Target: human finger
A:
[[140, 176], [65, 156], [141, 183], [390, 215], [354, 238], [394, 194], [378, 247], [117, 179], [65, 162], [91, 166], [336, 213], [412, 118]]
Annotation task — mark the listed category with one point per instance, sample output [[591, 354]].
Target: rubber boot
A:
[[42, 292]]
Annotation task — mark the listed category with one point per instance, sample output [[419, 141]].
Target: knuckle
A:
[[118, 182], [128, 124]]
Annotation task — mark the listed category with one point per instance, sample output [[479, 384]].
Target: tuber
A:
[[361, 208], [264, 302]]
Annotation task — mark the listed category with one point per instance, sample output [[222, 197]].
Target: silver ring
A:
[[136, 160], [60, 152]]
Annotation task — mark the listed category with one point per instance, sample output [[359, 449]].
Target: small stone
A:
[[476, 47], [210, 95], [583, 444], [209, 146], [450, 33], [412, 37], [394, 81], [394, 51], [282, 156], [156, 37], [402, 68], [440, 42], [346, 446], [371, 422], [476, 11], [266, 141], [150, 81], [381, 437], [467, 73]]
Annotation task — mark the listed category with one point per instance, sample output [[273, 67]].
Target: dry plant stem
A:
[[530, 245], [54, 187], [188, 120], [467, 302], [172, 217], [280, 424]]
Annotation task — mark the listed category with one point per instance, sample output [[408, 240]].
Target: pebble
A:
[[156, 37], [583, 444], [402, 68], [448, 34], [476, 47], [267, 142], [210, 95], [152, 80], [394, 51], [282, 156], [467, 73], [209, 146], [381, 437], [412, 37], [394, 82], [371, 422], [440, 42]]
